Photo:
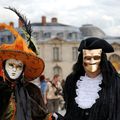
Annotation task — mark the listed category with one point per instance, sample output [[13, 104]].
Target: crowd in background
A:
[[52, 92]]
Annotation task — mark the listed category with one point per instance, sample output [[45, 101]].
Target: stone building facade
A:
[[59, 56], [58, 44]]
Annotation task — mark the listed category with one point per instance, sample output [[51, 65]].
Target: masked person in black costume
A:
[[92, 90]]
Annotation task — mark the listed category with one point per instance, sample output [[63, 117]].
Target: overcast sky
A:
[[104, 14]]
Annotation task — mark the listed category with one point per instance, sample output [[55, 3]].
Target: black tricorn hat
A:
[[95, 43]]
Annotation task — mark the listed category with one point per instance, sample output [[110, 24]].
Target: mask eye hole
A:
[[96, 57], [11, 65], [19, 67], [87, 58]]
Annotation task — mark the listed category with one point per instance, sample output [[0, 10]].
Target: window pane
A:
[[60, 35], [72, 35], [74, 53], [47, 35], [55, 53], [36, 35], [57, 70]]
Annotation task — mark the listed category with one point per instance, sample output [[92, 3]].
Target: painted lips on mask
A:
[[91, 67]]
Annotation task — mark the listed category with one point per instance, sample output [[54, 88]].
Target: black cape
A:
[[107, 107], [38, 108]]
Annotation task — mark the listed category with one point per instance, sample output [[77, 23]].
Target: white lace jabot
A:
[[87, 91]]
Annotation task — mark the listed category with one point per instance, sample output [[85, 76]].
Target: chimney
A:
[[43, 20], [20, 23], [11, 24], [54, 20]]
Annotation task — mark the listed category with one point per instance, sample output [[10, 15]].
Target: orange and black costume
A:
[[8, 102], [20, 99]]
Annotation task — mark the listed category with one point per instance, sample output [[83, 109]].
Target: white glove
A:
[[55, 116]]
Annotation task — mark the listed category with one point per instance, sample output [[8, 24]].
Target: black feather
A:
[[26, 28], [26, 23]]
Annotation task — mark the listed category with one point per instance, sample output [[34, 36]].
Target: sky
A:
[[104, 14]]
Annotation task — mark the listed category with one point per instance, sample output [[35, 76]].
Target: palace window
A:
[[47, 35], [56, 56], [57, 70], [36, 35], [72, 36], [74, 53], [60, 35]]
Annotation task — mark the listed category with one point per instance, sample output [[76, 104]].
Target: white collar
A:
[[86, 78], [87, 91]]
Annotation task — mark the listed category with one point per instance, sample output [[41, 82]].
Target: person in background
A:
[[43, 87], [54, 94]]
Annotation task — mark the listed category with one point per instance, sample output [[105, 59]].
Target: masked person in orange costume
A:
[[92, 90], [19, 98]]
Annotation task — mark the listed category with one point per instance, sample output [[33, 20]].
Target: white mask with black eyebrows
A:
[[14, 68]]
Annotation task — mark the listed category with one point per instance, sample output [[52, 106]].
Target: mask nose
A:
[[92, 61], [14, 69]]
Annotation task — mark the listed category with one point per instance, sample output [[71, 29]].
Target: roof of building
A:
[[89, 30], [48, 24]]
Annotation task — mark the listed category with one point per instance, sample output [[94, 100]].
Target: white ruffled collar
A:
[[87, 91]]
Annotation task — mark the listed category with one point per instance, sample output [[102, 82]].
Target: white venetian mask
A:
[[14, 68], [91, 59]]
